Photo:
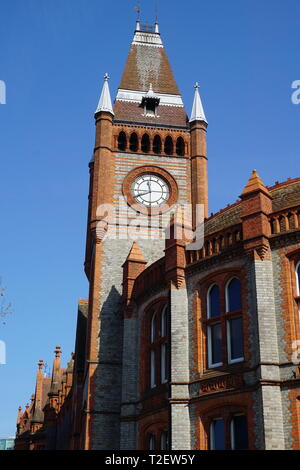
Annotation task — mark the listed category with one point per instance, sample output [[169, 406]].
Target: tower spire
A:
[[197, 109], [105, 99]]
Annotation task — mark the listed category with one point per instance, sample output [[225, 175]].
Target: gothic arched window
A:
[[225, 342], [157, 144], [156, 348], [133, 142], [122, 141], [145, 143], [180, 146], [233, 295], [169, 145]]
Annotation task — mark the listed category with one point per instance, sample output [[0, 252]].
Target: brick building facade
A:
[[176, 348]]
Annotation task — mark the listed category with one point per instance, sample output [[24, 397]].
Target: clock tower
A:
[[148, 159]]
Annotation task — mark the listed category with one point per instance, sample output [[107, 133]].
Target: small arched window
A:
[[169, 145], [157, 144], [180, 146], [133, 142], [122, 141], [145, 143], [233, 295], [298, 278]]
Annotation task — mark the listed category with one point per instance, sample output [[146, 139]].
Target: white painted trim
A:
[[136, 97]]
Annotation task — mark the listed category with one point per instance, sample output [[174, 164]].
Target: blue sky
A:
[[53, 55]]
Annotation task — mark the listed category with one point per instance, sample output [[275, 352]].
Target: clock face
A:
[[150, 190]]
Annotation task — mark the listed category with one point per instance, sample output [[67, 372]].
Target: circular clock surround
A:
[[150, 189]]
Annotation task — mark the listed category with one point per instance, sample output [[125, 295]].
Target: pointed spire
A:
[[56, 372], [197, 109], [105, 99], [135, 253], [254, 183]]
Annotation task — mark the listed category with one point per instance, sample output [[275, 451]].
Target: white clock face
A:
[[150, 190]]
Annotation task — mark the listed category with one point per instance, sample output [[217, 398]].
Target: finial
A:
[[156, 30], [197, 109], [40, 364], [138, 10], [106, 77], [20, 408], [57, 351], [27, 406]]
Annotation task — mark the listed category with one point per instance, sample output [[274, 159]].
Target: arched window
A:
[[145, 143], [233, 295], [133, 142], [169, 145], [180, 146], [225, 340], [157, 144], [298, 278], [156, 346], [213, 301], [122, 141], [163, 346]]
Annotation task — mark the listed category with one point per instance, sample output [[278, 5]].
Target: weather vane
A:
[[138, 10]]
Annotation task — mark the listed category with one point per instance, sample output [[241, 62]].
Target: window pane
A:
[[216, 343], [234, 295], [214, 302], [236, 338], [217, 437], [163, 364], [153, 328], [164, 441], [239, 433], [152, 369], [163, 325], [151, 442]]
